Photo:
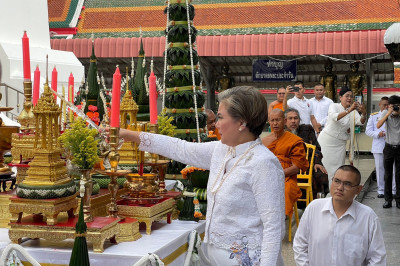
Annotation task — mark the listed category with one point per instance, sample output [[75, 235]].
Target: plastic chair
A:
[[307, 175]]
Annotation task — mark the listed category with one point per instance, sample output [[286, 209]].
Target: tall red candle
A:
[[153, 98], [36, 86], [54, 81], [70, 87], [26, 57], [116, 98]]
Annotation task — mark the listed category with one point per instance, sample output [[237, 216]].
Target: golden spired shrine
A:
[[47, 176], [129, 109]]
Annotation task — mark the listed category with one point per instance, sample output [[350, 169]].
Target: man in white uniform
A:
[[320, 106], [301, 104], [378, 143], [340, 231]]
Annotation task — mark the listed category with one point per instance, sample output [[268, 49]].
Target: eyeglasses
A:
[[346, 185]]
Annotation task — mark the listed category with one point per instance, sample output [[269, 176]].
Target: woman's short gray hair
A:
[[248, 104]]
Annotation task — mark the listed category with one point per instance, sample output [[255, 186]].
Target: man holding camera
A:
[[301, 104], [391, 152]]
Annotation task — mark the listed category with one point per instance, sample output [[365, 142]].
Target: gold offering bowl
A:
[[5, 145], [142, 186]]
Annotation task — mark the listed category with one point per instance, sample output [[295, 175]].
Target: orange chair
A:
[[307, 175]]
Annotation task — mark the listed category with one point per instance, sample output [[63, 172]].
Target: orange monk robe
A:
[[279, 106], [289, 149]]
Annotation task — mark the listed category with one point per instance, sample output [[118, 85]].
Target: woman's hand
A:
[[361, 109], [353, 107], [321, 168]]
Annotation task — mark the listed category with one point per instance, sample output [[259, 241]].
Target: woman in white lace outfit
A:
[[334, 136], [245, 192]]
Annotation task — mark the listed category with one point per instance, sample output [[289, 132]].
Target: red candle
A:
[[54, 81], [25, 57], [116, 98], [71, 87], [153, 98], [36, 85]]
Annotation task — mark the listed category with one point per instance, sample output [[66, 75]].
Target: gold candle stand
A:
[[114, 173], [26, 118], [159, 166]]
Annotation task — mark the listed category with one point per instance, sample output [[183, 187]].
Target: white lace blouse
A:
[[248, 208]]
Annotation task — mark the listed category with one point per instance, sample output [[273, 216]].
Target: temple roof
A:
[[64, 15], [120, 18]]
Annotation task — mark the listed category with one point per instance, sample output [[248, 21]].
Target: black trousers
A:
[[391, 154]]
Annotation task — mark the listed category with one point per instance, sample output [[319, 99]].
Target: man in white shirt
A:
[[320, 106], [378, 143], [301, 104], [339, 230]]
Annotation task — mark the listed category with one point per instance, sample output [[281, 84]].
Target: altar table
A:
[[168, 241]]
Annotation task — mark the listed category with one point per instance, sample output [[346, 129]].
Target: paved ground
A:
[[390, 223], [389, 218]]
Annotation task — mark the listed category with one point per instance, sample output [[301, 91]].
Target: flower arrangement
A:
[[93, 114], [80, 142]]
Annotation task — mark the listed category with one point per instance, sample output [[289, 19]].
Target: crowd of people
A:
[[253, 186]]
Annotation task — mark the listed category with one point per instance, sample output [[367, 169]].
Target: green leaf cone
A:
[[93, 96], [80, 254]]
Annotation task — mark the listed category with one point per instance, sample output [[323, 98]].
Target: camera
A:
[[295, 88], [396, 107]]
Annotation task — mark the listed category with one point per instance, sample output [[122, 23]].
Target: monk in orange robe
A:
[[290, 150], [280, 97]]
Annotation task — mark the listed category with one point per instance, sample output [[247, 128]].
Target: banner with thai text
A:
[[268, 70]]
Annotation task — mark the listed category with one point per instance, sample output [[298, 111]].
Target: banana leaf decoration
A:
[[80, 254], [188, 120], [181, 78], [177, 12], [183, 99], [180, 56], [179, 33]]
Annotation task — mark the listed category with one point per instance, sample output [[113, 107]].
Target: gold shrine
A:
[[47, 189], [47, 168], [128, 109]]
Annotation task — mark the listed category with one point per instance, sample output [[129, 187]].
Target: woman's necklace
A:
[[213, 188]]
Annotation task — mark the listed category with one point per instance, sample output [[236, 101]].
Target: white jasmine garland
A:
[[165, 56], [192, 67]]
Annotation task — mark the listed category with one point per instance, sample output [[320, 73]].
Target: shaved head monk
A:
[[289, 149]]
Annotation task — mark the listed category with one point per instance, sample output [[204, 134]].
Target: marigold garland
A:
[[187, 170]]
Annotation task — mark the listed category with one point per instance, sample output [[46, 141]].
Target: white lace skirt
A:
[[333, 152], [240, 257]]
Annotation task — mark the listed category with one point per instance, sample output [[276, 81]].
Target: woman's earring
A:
[[240, 128]]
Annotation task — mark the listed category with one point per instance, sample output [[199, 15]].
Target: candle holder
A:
[[159, 168], [114, 173], [153, 128], [26, 118]]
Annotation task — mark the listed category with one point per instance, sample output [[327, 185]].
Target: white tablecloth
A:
[[164, 240]]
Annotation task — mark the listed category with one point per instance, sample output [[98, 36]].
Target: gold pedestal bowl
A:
[[142, 189]]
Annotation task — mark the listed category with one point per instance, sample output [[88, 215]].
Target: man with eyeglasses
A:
[[340, 230]]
